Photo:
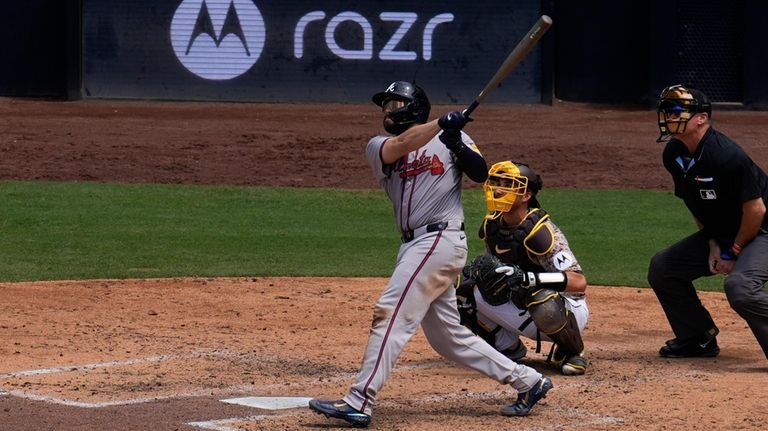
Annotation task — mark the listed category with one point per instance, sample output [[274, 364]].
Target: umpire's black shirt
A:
[[714, 182]]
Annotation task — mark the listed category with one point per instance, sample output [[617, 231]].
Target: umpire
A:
[[726, 192]]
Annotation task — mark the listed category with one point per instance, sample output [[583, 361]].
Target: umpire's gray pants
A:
[[673, 269]]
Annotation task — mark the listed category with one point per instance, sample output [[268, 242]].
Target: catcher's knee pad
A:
[[547, 309], [569, 339], [549, 313]]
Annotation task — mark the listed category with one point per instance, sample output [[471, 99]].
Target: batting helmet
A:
[[413, 107], [506, 181], [676, 105]]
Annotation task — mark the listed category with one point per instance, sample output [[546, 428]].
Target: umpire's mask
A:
[[506, 181], [675, 106]]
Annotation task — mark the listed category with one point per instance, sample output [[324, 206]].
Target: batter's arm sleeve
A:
[[471, 161]]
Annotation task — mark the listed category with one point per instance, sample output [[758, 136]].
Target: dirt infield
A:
[[162, 354], [571, 145], [159, 354]]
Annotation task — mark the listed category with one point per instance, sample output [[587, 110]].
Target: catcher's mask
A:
[[676, 105], [506, 181], [406, 104]]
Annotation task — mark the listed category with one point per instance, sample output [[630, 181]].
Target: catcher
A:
[[529, 283]]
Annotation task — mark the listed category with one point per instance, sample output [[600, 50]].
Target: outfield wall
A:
[[304, 50], [258, 50]]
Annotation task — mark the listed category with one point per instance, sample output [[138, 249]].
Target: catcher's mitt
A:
[[498, 288]]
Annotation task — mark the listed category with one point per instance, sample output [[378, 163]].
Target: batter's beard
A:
[[394, 128]]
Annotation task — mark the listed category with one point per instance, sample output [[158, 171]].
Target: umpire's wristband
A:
[[728, 255], [557, 281]]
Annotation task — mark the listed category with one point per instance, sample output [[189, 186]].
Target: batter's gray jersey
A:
[[424, 186]]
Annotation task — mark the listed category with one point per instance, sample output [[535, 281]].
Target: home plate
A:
[[270, 403]]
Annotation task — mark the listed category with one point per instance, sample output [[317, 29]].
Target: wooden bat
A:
[[513, 59]]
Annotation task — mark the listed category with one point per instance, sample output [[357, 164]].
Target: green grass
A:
[[56, 231]]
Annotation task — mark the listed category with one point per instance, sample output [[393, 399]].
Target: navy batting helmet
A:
[[411, 105]]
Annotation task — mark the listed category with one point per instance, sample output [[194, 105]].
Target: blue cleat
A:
[[526, 400], [340, 410]]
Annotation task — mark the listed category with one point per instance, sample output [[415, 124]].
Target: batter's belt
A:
[[410, 235]]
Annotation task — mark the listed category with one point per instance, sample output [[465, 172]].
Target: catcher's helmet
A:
[[506, 181], [415, 109], [676, 105]]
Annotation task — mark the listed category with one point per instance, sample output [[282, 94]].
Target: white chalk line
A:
[[157, 358], [223, 424], [118, 363], [74, 403], [586, 419], [580, 418]]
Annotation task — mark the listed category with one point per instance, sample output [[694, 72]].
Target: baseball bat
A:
[[513, 59]]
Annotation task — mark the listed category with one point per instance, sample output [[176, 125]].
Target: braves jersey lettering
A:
[[423, 163]]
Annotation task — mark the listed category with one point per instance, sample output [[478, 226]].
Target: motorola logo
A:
[[223, 39], [218, 39]]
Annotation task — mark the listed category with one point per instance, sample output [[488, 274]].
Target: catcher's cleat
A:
[[569, 365], [574, 365], [690, 348], [516, 352], [340, 410], [526, 400]]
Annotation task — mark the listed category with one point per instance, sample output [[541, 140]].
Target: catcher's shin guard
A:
[[548, 311]]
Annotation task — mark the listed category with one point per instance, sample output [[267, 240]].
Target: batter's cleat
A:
[[516, 352], [526, 400], [340, 410], [690, 348], [574, 365]]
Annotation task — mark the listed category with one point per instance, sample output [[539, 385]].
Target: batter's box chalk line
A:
[[86, 368], [224, 424]]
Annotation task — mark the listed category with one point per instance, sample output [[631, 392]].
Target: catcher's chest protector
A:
[[517, 244]]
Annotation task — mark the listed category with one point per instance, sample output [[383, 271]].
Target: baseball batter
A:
[[422, 173]]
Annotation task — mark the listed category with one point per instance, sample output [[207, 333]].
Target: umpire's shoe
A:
[[526, 400], [690, 348], [340, 410], [703, 346]]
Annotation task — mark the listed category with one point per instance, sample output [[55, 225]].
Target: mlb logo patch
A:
[[708, 194]]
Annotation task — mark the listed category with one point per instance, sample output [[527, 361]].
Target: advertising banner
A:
[[278, 51]]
